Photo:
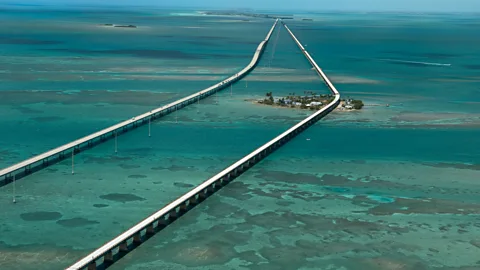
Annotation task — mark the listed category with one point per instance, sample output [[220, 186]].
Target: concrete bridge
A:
[[26, 167], [118, 247]]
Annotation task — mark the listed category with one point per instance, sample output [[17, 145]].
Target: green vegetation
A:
[[269, 100], [352, 104], [309, 100], [126, 26], [357, 104]]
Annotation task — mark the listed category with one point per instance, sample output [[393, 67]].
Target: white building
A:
[[316, 103]]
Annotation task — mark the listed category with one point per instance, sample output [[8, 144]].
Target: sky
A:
[[309, 5]]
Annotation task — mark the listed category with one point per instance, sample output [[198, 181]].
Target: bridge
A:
[[118, 247], [31, 165]]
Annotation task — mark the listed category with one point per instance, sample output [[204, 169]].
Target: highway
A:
[[157, 221], [41, 161], [314, 64]]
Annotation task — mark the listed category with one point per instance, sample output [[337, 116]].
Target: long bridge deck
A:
[[26, 167], [115, 249]]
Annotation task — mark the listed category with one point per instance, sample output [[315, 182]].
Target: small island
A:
[[309, 101], [119, 26], [126, 26], [247, 13]]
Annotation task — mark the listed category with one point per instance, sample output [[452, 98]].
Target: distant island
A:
[[120, 26], [306, 19], [309, 101], [247, 14]]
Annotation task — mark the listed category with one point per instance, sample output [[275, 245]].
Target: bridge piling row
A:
[[134, 237], [155, 226], [61, 153], [188, 204], [119, 246], [8, 178]]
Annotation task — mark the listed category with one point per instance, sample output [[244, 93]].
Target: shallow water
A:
[[68, 215], [384, 188]]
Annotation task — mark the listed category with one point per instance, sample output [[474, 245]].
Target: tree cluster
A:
[[269, 100], [357, 104]]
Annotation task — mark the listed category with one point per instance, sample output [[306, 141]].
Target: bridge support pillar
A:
[[27, 169], [183, 207], [137, 238], [150, 230], [161, 224], [108, 258], [123, 248], [172, 215], [193, 200], [92, 266]]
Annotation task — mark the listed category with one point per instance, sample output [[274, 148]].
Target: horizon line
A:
[[103, 5]]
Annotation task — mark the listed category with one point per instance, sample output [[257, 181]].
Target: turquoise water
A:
[[384, 188], [56, 212]]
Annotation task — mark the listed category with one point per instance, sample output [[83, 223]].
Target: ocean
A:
[[383, 188]]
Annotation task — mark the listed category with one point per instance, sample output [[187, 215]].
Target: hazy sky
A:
[[360, 5]]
